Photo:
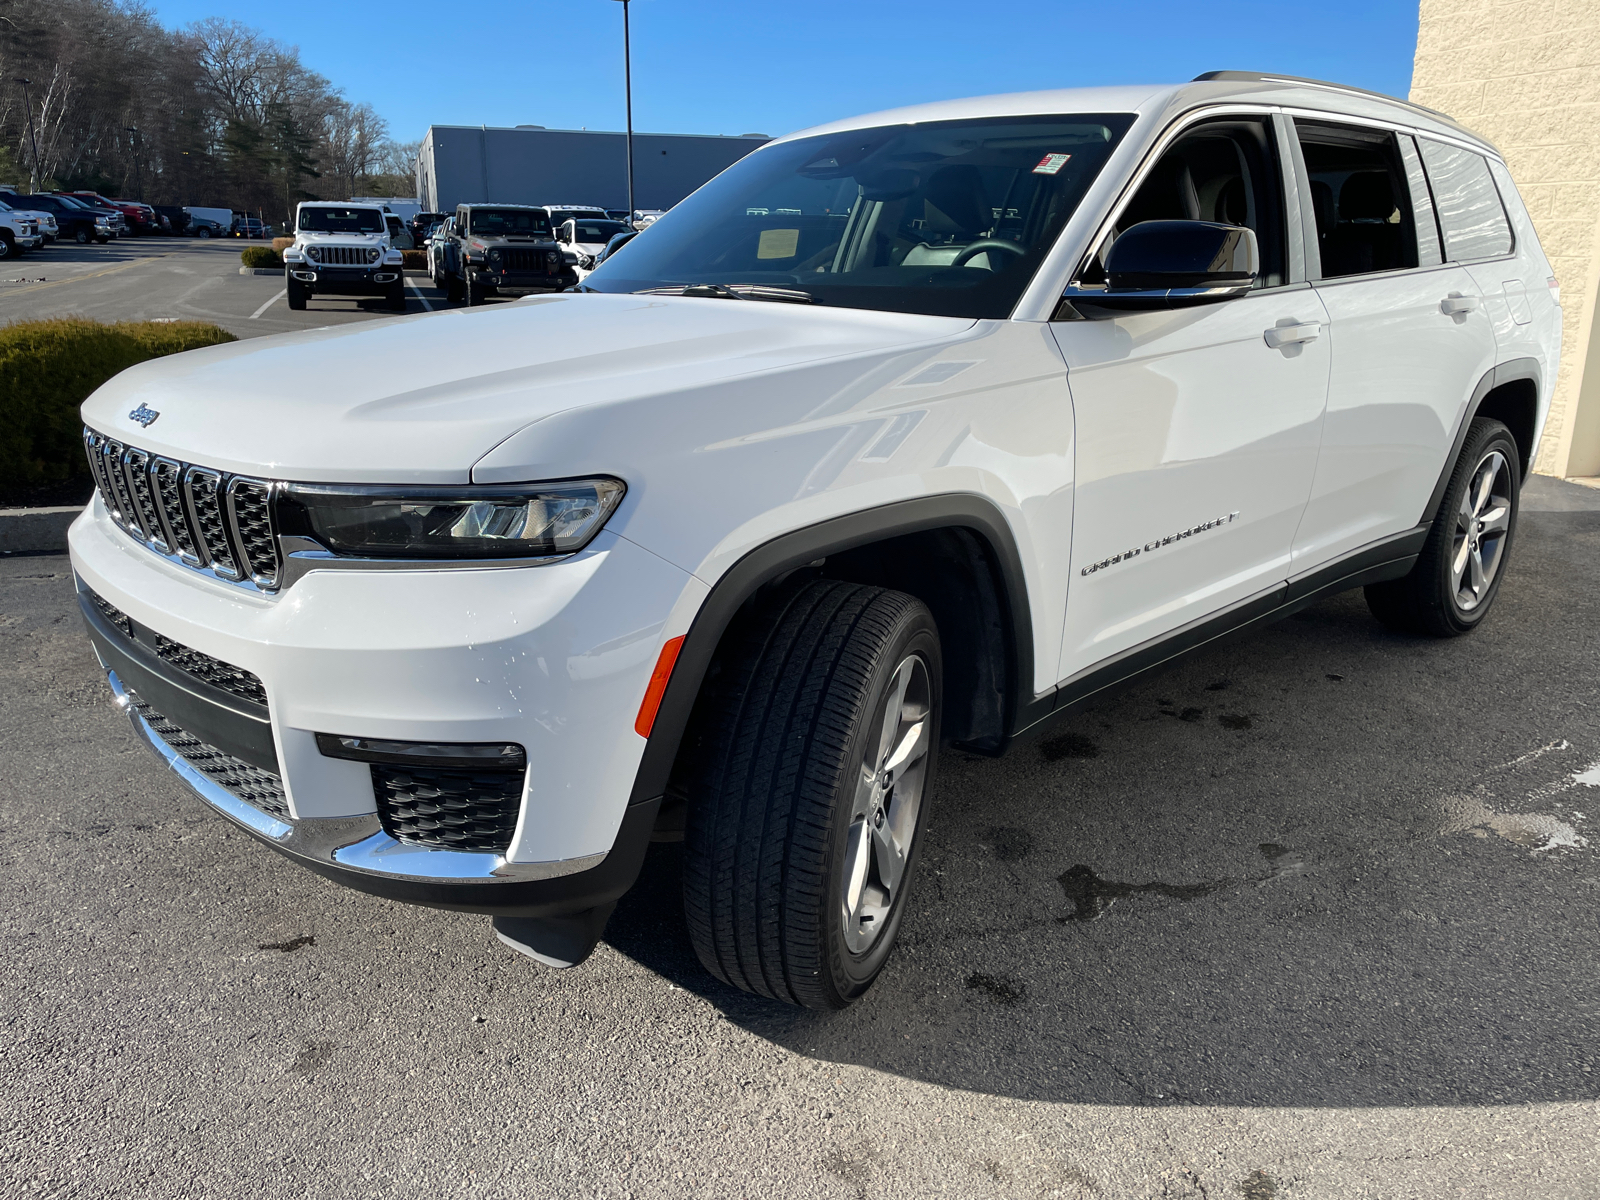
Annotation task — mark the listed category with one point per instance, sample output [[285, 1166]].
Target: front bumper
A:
[[525, 280], [356, 852], [31, 241], [552, 658], [348, 281]]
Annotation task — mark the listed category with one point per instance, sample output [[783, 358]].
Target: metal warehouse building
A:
[[464, 164]]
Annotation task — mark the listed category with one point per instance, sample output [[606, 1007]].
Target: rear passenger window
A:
[[1470, 212], [1361, 199]]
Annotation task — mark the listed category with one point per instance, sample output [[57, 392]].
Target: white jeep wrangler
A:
[[922, 426], [343, 250]]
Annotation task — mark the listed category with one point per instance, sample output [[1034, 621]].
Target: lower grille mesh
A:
[[448, 808], [236, 681], [256, 787]]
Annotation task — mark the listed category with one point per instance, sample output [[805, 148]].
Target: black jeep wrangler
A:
[[493, 246]]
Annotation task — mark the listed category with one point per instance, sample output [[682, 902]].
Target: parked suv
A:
[[925, 426], [132, 219], [486, 247], [19, 233], [342, 250]]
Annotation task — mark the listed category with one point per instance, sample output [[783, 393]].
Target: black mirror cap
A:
[[1182, 254]]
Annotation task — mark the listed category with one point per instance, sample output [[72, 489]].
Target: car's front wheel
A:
[[296, 293], [1458, 574], [817, 743]]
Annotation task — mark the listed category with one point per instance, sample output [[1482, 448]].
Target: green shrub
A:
[[416, 260], [260, 257], [48, 368]]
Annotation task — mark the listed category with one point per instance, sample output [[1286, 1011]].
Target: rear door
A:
[[1410, 337], [1196, 438]]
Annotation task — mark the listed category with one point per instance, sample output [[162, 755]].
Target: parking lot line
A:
[[420, 296], [269, 304], [50, 283]]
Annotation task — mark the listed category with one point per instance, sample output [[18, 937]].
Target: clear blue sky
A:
[[748, 66]]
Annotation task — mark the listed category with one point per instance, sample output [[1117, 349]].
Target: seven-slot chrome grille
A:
[[205, 519], [344, 256]]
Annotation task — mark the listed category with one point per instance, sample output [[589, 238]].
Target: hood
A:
[[420, 399], [317, 237]]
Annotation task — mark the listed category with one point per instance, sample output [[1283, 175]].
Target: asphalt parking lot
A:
[[1344, 885], [185, 279]]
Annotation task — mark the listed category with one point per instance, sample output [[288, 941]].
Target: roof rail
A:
[[1268, 77]]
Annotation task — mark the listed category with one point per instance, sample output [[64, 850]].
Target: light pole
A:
[[138, 175], [28, 100], [627, 91]]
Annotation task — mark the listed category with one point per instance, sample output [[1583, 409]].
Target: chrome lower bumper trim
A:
[[347, 843]]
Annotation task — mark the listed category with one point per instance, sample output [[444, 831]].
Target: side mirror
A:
[[1171, 264]]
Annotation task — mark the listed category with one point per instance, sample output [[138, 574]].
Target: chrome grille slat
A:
[[250, 512], [204, 489], [136, 465], [111, 463], [343, 256], [166, 477], [204, 519]]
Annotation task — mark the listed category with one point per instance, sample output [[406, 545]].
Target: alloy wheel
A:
[[1482, 521], [886, 803]]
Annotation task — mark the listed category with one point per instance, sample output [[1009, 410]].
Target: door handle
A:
[[1280, 336], [1456, 304]]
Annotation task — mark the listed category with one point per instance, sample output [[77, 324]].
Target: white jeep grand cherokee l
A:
[[927, 425]]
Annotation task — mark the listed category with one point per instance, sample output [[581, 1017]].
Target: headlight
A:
[[552, 258], [494, 256], [314, 254], [501, 521], [372, 255]]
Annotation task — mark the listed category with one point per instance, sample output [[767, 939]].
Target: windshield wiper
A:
[[733, 291]]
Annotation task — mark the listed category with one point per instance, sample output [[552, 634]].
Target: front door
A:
[[1196, 438]]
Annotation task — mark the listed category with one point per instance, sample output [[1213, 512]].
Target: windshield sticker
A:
[[1051, 163], [778, 243]]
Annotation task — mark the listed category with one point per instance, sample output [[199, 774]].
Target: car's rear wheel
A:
[[817, 742], [1458, 574]]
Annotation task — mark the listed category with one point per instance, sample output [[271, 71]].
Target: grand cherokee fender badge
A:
[[144, 415], [1214, 523]]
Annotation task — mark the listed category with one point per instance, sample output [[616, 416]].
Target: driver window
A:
[[1223, 171]]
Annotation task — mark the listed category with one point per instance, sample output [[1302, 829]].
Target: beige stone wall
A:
[[1526, 75]]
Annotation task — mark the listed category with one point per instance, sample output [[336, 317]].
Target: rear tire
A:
[[1457, 576], [817, 738]]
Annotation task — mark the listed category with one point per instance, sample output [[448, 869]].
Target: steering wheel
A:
[[984, 245]]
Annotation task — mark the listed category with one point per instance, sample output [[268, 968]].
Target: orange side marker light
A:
[[658, 687]]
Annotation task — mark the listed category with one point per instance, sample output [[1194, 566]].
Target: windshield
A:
[[595, 231], [948, 218], [341, 220], [499, 222]]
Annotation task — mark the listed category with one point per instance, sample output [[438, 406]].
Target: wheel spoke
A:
[[890, 857], [1458, 565], [1484, 484], [1496, 519], [866, 792], [892, 708], [1476, 563], [855, 869], [913, 745]]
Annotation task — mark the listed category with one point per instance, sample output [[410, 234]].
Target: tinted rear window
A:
[[1470, 212]]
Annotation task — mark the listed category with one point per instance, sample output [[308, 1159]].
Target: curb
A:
[[261, 270], [36, 530]]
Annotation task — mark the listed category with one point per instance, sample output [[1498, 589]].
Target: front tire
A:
[[81, 237], [1457, 576], [817, 741], [296, 294]]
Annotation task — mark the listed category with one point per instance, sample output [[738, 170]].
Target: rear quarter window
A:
[[1471, 214]]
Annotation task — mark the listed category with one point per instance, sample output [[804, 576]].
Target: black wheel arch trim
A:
[[790, 551], [1501, 374]]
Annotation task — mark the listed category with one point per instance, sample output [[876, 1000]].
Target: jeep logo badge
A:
[[144, 415]]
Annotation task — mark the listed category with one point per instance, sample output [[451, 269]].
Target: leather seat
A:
[[1364, 236]]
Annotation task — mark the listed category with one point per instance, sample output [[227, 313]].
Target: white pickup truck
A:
[[19, 233]]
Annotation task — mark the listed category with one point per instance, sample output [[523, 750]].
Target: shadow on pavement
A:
[[1304, 896]]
